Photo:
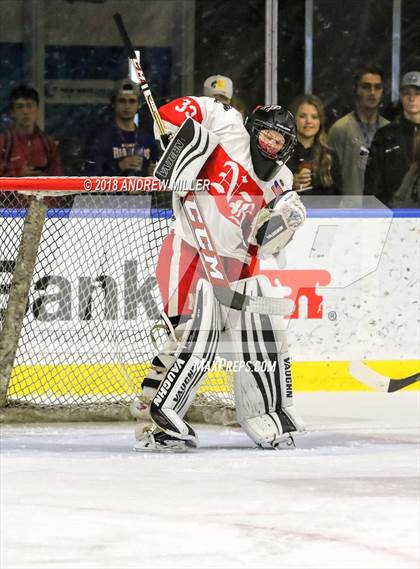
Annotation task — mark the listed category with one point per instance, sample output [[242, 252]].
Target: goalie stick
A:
[[380, 382], [211, 261]]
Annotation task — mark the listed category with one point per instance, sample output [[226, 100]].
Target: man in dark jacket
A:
[[393, 148]]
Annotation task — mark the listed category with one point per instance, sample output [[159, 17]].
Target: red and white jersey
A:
[[236, 194]]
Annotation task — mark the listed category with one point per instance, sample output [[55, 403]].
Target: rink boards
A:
[[48, 381], [355, 279]]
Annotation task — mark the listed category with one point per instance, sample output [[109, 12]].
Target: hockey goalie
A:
[[249, 210]]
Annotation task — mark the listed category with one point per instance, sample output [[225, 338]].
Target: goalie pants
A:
[[178, 271]]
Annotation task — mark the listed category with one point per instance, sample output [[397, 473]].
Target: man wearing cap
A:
[[219, 87], [394, 147], [120, 148]]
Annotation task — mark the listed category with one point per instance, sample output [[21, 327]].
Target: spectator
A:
[[314, 165], [121, 148], [352, 135], [25, 150], [408, 194], [219, 87], [393, 168]]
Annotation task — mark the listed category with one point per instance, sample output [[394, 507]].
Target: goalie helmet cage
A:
[[78, 300]]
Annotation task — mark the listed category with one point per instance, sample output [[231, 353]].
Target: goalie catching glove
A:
[[274, 226]]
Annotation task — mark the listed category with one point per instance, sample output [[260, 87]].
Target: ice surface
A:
[[76, 495]]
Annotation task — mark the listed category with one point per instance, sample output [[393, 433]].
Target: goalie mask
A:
[[266, 161]]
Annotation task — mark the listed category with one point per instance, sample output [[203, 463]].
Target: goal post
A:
[[78, 298], [14, 312]]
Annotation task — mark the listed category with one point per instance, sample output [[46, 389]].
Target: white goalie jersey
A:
[[235, 193]]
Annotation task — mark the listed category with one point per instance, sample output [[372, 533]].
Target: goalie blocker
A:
[[186, 154]]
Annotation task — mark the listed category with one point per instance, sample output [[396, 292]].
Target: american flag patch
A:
[[277, 187]]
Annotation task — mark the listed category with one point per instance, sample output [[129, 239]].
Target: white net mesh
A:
[[85, 343]]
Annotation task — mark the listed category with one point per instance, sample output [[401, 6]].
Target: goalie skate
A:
[[155, 440], [284, 442]]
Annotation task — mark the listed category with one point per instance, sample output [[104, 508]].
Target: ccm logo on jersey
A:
[[203, 239]]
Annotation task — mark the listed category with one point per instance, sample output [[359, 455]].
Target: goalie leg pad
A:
[[263, 394], [163, 361], [193, 359]]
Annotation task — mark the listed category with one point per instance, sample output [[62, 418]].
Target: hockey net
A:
[[79, 299]]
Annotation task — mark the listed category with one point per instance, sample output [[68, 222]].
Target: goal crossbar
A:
[[81, 184]]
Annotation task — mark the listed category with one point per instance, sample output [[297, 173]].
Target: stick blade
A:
[[369, 377], [373, 379], [397, 384]]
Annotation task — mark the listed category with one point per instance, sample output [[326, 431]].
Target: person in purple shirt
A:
[[121, 148]]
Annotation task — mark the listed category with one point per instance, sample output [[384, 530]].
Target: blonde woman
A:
[[314, 165]]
